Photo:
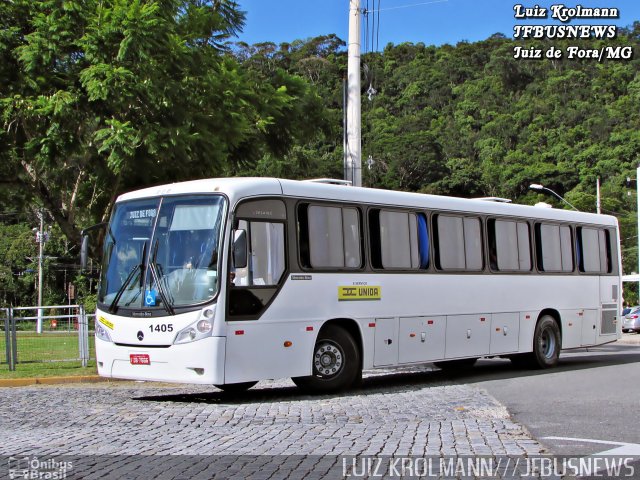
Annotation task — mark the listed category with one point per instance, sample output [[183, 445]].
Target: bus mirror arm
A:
[[97, 226], [239, 248], [84, 244], [84, 253]]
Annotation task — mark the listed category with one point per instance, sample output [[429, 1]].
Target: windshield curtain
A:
[[162, 253]]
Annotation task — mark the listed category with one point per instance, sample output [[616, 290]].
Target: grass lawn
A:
[[47, 354], [49, 369]]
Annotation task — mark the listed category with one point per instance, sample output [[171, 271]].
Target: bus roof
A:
[[238, 188]]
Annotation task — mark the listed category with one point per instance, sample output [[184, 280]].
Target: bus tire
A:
[[455, 364], [335, 365], [546, 343], [235, 387]]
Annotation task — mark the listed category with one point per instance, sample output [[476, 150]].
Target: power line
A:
[[378, 29], [411, 5]]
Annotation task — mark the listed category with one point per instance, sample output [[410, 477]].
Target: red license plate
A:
[[139, 359]]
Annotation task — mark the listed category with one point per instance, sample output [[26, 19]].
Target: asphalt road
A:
[[589, 404]]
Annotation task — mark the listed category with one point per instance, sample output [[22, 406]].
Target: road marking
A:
[[588, 440], [622, 448]]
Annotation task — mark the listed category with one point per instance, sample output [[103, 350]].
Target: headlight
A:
[[185, 336], [196, 331], [204, 326], [102, 333]]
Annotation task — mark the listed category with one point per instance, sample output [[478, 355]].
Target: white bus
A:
[[235, 280]]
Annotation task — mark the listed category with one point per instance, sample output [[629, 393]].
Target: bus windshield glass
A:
[[162, 253]]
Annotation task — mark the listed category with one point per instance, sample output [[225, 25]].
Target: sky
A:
[[429, 21]]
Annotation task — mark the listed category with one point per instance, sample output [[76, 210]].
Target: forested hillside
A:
[[97, 98], [470, 120]]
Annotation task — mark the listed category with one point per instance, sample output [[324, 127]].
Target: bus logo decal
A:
[[356, 292]]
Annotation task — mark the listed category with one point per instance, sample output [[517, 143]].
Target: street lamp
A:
[[540, 188]]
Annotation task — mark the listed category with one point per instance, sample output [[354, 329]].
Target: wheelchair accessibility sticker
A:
[[150, 298]]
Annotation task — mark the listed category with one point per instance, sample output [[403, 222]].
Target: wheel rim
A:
[[547, 343], [328, 359]]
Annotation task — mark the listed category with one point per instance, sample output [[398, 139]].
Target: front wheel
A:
[[336, 363]]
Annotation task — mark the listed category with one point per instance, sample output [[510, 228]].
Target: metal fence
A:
[[57, 333]]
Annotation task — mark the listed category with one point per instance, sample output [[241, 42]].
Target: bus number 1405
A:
[[161, 328]]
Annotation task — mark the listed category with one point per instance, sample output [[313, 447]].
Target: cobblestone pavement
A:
[[123, 429]]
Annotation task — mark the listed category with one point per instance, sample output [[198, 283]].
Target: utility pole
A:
[[353, 151], [598, 206], [40, 240], [638, 201]]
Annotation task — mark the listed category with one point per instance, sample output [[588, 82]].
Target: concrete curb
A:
[[23, 382], [630, 339]]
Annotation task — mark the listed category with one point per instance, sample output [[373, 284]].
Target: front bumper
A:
[[200, 362]]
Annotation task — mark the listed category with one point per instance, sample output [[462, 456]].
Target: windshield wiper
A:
[[164, 295], [113, 308]]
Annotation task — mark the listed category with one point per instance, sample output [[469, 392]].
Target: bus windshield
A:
[[162, 253]]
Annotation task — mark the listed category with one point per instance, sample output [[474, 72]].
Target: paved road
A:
[[143, 430], [108, 429], [586, 407], [593, 395]]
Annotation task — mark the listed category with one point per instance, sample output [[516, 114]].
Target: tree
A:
[[99, 97]]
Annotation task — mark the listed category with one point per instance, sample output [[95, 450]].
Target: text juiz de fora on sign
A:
[[565, 30]]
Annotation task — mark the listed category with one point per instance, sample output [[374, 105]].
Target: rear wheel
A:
[[546, 346], [336, 363], [455, 364], [236, 387], [546, 342]]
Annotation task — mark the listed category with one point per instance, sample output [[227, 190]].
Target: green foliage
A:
[[17, 271], [101, 97]]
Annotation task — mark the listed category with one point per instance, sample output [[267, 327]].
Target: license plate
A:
[[139, 359]]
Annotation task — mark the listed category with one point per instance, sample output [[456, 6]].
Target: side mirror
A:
[[84, 244], [84, 252], [239, 248]]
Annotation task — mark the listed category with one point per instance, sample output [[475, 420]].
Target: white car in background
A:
[[631, 320]]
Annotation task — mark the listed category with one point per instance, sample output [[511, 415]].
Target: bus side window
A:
[[399, 240], [593, 250], [554, 248], [423, 240], [605, 251], [329, 237], [264, 250], [459, 243], [509, 246]]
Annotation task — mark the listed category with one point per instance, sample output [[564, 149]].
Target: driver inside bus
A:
[[193, 252], [127, 259]]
